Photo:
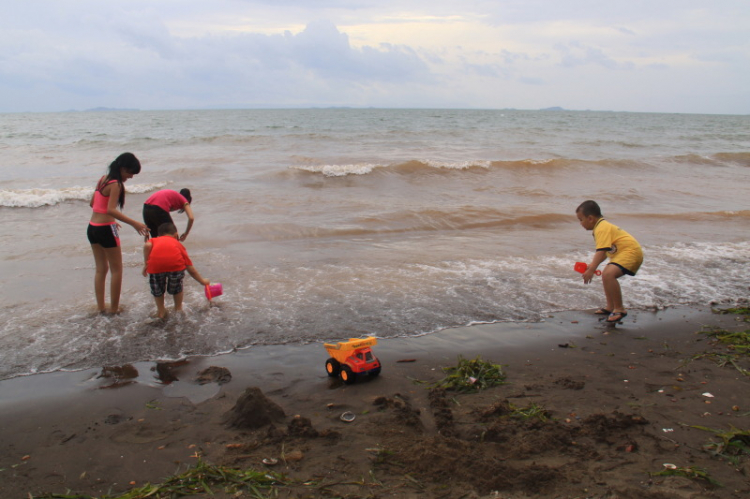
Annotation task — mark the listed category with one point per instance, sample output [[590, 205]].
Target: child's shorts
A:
[[171, 282], [105, 235]]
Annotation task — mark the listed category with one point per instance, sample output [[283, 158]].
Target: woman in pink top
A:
[[108, 199], [156, 209]]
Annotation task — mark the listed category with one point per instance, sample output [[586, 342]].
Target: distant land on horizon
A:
[[115, 109]]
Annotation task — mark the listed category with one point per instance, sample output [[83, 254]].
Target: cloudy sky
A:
[[682, 56]]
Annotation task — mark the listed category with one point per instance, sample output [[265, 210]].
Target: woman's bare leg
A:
[[100, 276], [114, 258]]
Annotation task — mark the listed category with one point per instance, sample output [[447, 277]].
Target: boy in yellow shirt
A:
[[625, 257]]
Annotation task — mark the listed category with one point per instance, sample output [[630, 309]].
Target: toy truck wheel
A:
[[347, 375], [333, 367]]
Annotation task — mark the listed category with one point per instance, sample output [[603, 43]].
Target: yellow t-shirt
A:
[[621, 247]]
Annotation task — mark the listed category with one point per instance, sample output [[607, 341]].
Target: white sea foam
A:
[[456, 165], [339, 170], [35, 198]]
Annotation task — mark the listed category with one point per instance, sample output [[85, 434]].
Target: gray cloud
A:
[[577, 54], [226, 53]]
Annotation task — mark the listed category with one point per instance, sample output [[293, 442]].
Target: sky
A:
[[673, 56]]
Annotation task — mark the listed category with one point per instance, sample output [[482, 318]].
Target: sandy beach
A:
[[616, 404]]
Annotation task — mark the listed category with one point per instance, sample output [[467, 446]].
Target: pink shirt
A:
[[101, 201], [168, 200]]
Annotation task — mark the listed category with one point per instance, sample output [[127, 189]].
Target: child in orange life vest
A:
[[165, 261], [625, 257]]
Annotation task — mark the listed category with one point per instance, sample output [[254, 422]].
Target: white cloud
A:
[[479, 53]]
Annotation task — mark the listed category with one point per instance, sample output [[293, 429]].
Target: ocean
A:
[[325, 224]]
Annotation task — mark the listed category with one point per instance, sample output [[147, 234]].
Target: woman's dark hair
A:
[[589, 208], [125, 160], [186, 194]]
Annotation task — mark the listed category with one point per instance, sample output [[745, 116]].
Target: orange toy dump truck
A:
[[352, 359]]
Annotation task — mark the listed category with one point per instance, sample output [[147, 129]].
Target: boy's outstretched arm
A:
[[196, 275], [146, 253], [599, 257]]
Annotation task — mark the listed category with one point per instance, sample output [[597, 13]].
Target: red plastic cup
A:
[[583, 267], [214, 290]]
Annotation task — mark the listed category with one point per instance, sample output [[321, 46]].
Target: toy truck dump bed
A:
[[352, 359]]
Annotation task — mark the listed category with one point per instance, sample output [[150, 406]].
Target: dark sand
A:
[[622, 401]]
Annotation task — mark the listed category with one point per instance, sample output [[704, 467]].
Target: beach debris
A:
[[667, 430], [472, 375], [570, 384], [113, 419], [164, 371], [629, 447], [213, 374], [26, 457], [253, 410], [707, 395], [735, 408], [301, 426], [270, 461], [202, 477], [294, 456], [126, 371], [153, 405], [734, 444], [533, 411], [233, 446], [406, 360], [347, 417], [119, 375], [688, 471]]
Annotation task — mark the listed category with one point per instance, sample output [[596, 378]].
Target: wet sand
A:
[[621, 401]]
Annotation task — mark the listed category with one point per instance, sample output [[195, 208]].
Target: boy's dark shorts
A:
[[153, 217], [171, 282]]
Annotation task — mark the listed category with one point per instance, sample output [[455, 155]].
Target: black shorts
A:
[[171, 282], [624, 270], [153, 217], [106, 236]]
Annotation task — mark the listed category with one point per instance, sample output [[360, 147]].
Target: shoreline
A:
[[93, 434]]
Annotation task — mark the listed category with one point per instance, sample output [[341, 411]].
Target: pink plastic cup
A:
[[214, 290]]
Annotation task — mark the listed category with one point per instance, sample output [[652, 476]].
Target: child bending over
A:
[[625, 257], [165, 261]]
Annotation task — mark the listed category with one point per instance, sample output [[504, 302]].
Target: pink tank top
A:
[[100, 200]]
